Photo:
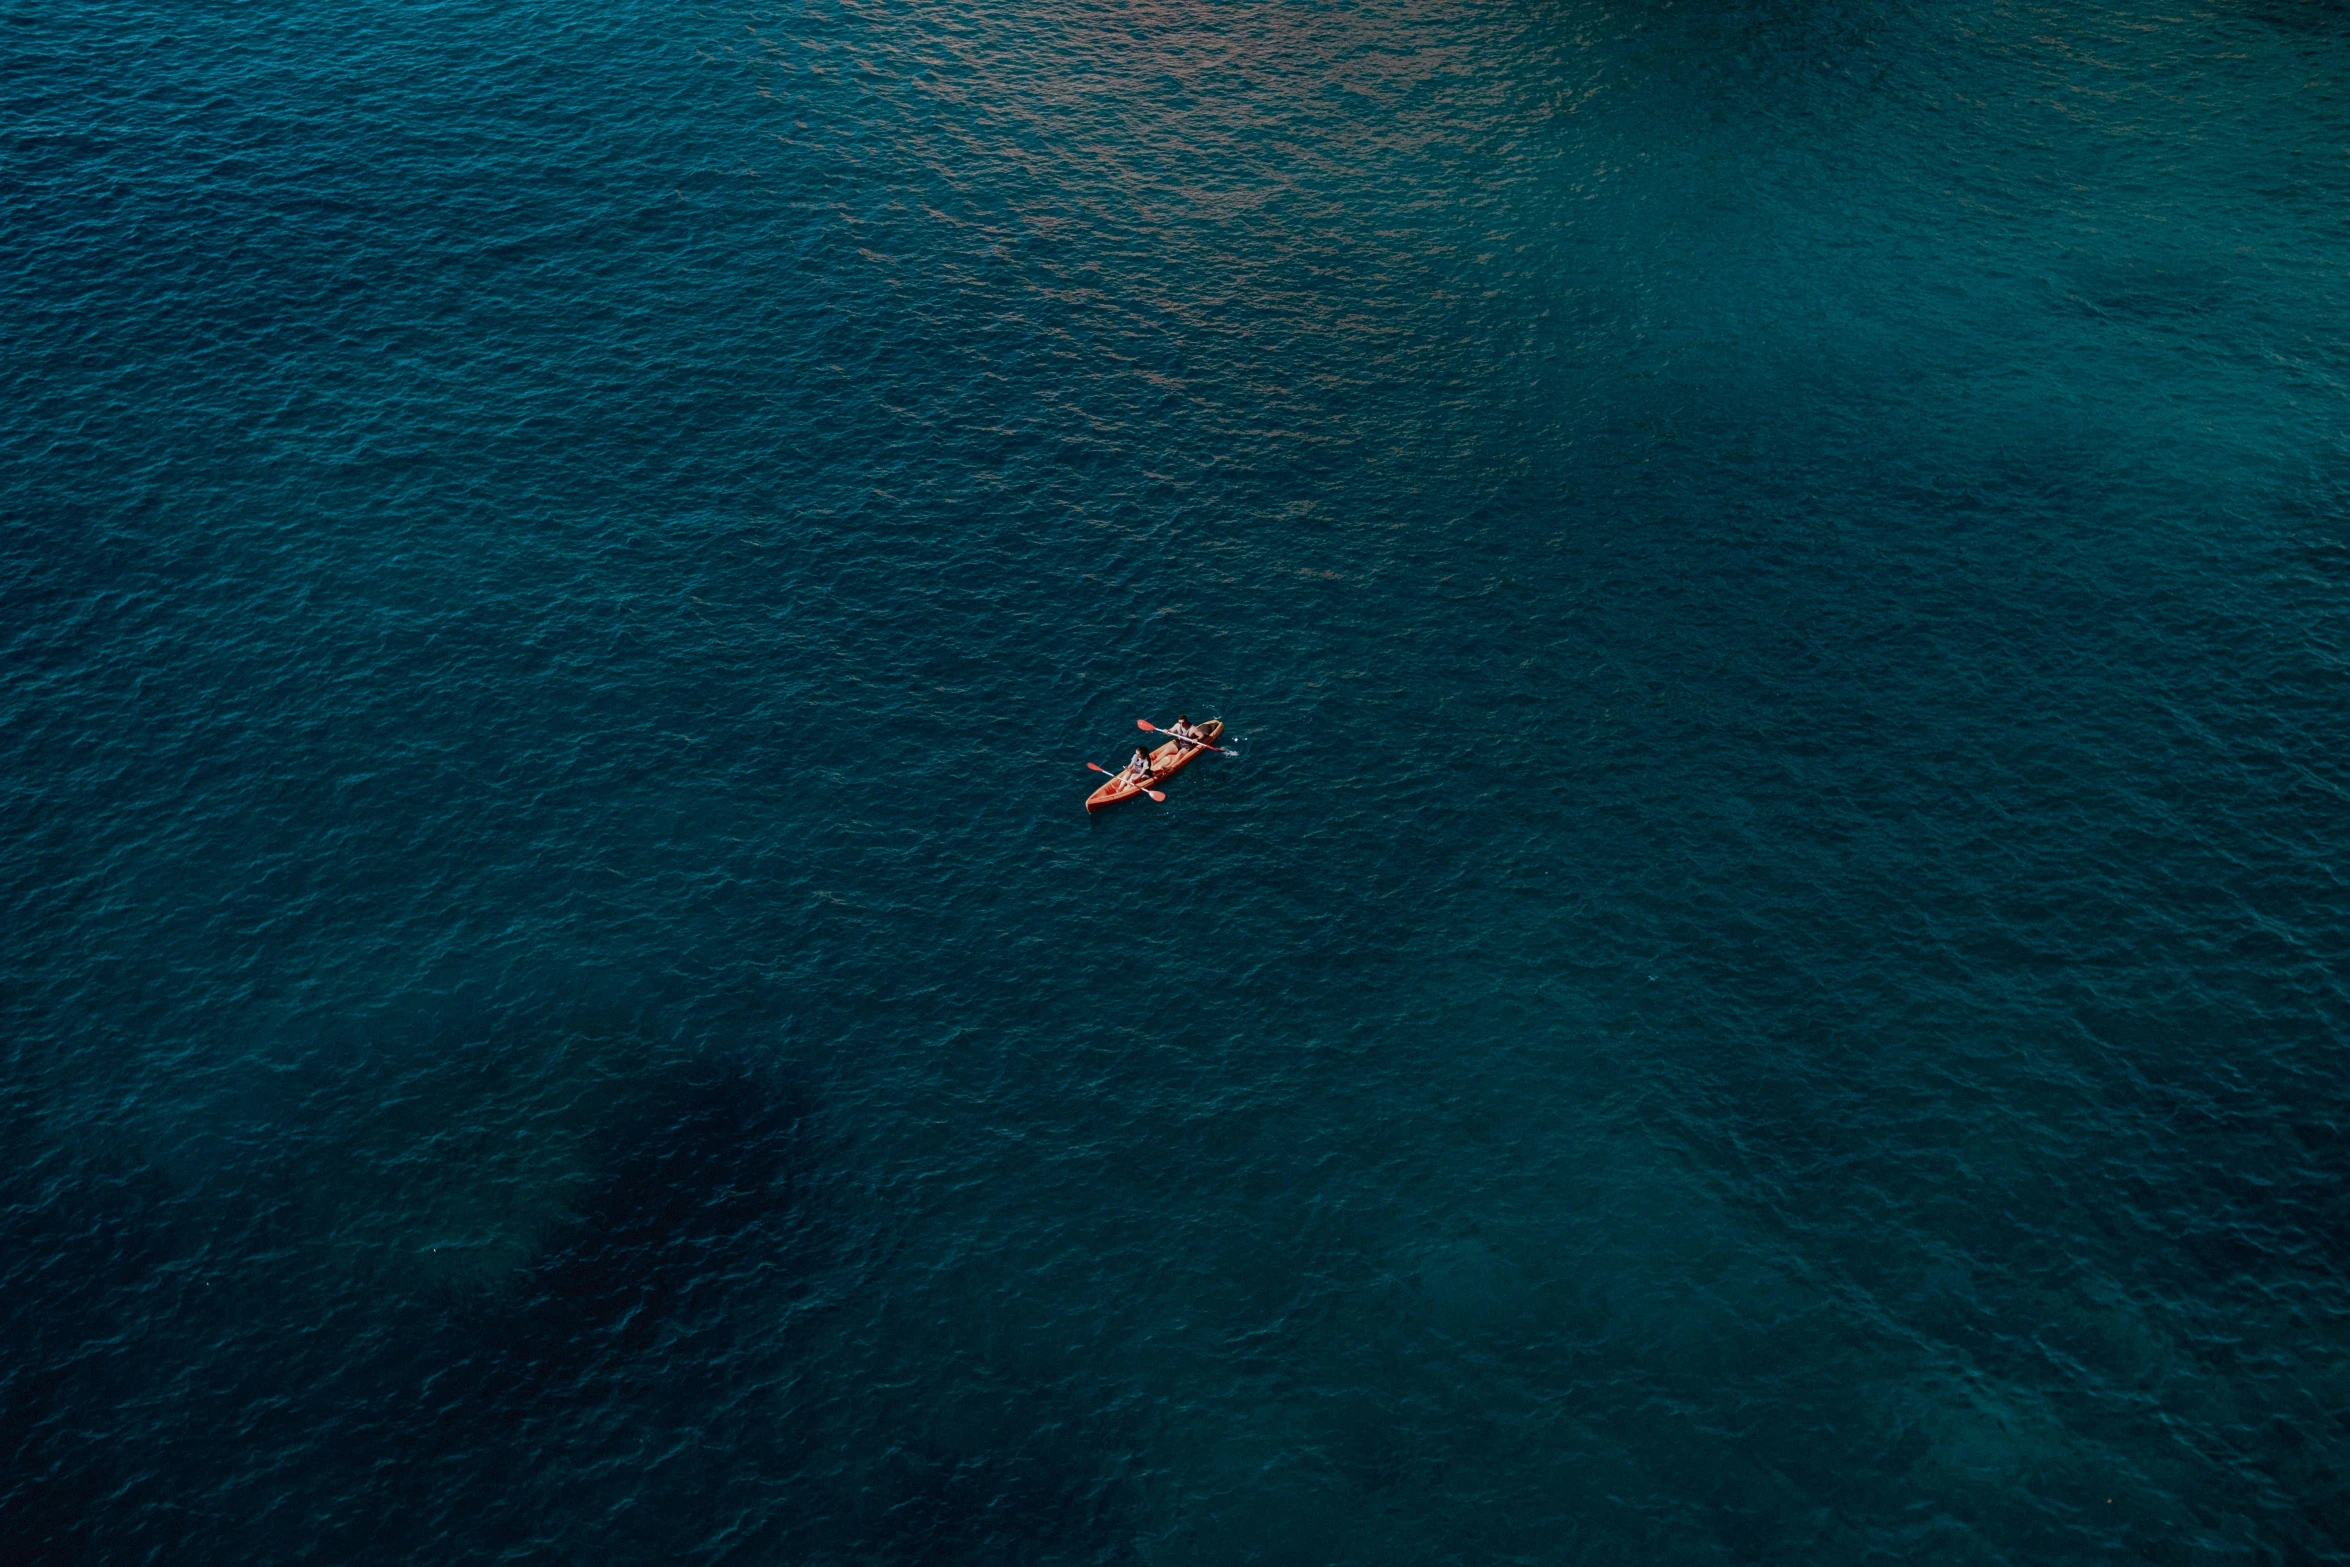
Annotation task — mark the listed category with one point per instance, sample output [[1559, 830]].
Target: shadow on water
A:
[[691, 1365], [697, 1222], [701, 1195], [717, 1217], [77, 1239]]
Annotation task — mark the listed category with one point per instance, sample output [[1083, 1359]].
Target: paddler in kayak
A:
[[1138, 767], [1181, 732]]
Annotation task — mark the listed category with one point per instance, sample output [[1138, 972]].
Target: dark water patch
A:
[[703, 1188], [685, 1354], [698, 1221], [92, 1252]]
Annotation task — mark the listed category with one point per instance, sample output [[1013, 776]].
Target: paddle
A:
[[1155, 794], [1144, 723]]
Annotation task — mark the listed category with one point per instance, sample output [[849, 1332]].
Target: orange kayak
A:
[[1166, 760]]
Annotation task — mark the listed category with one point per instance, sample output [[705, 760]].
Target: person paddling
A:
[[1184, 736], [1138, 766]]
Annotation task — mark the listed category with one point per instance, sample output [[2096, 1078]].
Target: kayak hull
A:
[[1168, 760]]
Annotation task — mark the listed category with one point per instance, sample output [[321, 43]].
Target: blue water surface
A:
[[1767, 984]]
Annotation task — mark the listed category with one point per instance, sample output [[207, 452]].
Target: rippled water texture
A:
[[1767, 985]]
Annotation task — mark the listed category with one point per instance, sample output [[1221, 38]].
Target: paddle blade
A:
[[1099, 768], [1156, 795], [1144, 723]]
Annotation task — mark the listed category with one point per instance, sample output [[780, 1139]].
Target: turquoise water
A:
[[1767, 984]]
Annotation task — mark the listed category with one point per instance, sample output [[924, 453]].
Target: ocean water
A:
[[1767, 984]]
